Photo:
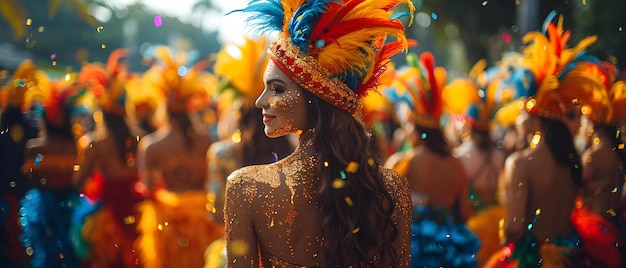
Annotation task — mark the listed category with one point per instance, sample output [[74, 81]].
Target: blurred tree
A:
[[60, 37], [606, 19]]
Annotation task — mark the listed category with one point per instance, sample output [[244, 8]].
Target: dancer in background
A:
[[329, 203], [544, 181], [175, 226], [478, 99], [108, 157], [16, 128], [50, 164], [439, 185], [598, 211]]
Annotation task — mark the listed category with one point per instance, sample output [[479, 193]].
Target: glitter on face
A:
[[284, 107]]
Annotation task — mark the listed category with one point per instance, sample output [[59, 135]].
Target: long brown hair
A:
[[352, 229]]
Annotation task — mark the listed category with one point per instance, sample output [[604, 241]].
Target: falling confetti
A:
[[29, 21], [619, 29], [434, 16], [158, 21], [275, 156], [348, 201], [352, 167], [239, 247], [38, 159], [100, 28], [339, 183], [506, 37], [236, 138], [485, 3], [103, 46], [342, 174]]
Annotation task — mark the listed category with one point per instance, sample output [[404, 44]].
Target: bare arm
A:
[[516, 201], [241, 240], [145, 166], [215, 184]]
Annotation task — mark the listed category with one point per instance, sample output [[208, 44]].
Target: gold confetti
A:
[[236, 138], [76, 167], [619, 29], [29, 21], [160, 227], [129, 220], [352, 167], [54, 63], [538, 212], [339, 183], [40, 29], [370, 162], [620, 146], [103, 46], [99, 28], [299, 132], [349, 201], [356, 230], [239, 247], [485, 3], [611, 212], [596, 140], [325, 163]]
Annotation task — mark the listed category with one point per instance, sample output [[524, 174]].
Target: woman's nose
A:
[[261, 101]]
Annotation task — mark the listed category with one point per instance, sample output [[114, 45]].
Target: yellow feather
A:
[[15, 14], [289, 7]]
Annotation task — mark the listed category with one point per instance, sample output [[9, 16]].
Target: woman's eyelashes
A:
[[276, 89]]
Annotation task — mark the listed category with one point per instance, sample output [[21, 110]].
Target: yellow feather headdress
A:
[[185, 88], [336, 50], [26, 85], [241, 68], [479, 96]]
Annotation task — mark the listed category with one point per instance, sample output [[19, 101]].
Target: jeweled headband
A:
[[336, 50]]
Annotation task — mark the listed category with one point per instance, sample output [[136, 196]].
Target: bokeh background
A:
[[61, 34]]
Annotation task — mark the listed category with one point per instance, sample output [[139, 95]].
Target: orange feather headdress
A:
[[107, 82], [185, 88], [336, 50], [555, 82]]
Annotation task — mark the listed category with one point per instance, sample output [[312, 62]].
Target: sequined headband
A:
[[306, 72]]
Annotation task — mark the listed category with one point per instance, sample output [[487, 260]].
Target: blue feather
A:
[[582, 57], [524, 81], [267, 15], [548, 20], [303, 21]]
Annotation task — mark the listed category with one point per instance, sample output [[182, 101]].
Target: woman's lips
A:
[[267, 118]]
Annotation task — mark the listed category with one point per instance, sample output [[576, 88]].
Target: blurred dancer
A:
[[175, 226]]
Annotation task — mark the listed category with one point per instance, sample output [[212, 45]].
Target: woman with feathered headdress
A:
[[247, 144], [174, 223], [598, 212], [50, 164], [329, 203], [437, 179], [537, 228], [477, 99], [108, 173]]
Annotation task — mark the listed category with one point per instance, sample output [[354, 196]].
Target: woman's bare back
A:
[[180, 166], [602, 179], [541, 199]]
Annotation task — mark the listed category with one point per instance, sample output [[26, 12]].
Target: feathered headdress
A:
[[480, 95], [64, 100], [420, 85], [243, 70], [185, 88], [551, 78], [25, 86], [107, 82], [334, 49], [608, 105]]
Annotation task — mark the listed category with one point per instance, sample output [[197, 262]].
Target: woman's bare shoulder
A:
[[394, 181], [267, 174]]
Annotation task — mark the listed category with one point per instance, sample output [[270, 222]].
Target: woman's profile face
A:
[[283, 104]]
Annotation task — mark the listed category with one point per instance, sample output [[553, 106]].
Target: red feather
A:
[[382, 61], [325, 20], [555, 40], [114, 65], [428, 60], [358, 24]]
